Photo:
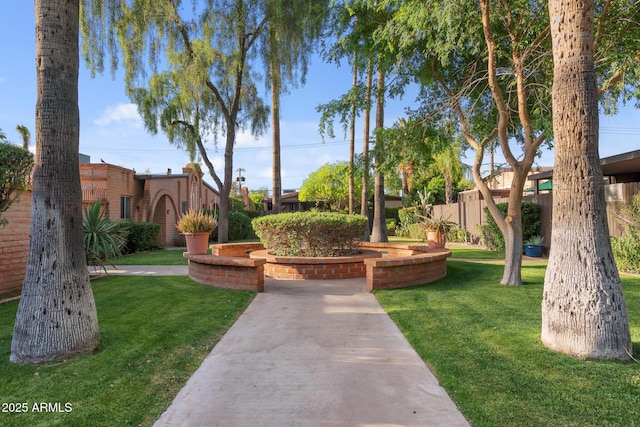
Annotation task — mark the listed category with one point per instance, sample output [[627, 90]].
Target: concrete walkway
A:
[[312, 353]]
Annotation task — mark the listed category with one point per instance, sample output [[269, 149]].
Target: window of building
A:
[[125, 207], [184, 207]]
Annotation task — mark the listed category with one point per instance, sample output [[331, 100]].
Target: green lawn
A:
[[482, 340], [155, 332], [157, 257], [457, 250], [472, 252]]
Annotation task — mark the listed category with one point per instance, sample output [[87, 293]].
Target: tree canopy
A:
[[488, 65], [329, 184], [15, 166]]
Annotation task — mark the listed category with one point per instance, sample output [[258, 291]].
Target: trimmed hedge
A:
[[310, 233], [141, 236], [490, 233], [239, 227]]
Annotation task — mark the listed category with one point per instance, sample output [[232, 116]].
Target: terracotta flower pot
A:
[[197, 243], [436, 239]]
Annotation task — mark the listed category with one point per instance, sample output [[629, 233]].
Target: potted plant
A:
[[437, 229], [196, 228], [534, 246]]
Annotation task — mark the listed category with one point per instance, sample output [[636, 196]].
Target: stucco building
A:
[[157, 198], [125, 195]]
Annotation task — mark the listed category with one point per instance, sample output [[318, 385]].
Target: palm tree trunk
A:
[[583, 308], [379, 231], [352, 141], [57, 316], [275, 129], [364, 208]]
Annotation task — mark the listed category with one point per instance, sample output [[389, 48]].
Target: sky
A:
[[111, 129]]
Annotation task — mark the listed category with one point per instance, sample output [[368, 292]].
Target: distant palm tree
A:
[[25, 134]]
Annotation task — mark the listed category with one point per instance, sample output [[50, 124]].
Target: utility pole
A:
[[240, 179]]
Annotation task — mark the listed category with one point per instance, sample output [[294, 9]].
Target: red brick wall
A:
[[227, 272], [14, 244], [392, 273]]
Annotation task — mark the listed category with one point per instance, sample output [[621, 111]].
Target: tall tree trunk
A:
[[57, 316], [364, 208], [379, 231], [583, 308], [275, 129], [225, 189], [448, 187], [352, 140], [512, 274]]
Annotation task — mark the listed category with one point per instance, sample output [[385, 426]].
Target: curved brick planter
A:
[[404, 265], [227, 272], [385, 265], [315, 268]]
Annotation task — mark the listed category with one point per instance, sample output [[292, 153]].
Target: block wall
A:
[[14, 244]]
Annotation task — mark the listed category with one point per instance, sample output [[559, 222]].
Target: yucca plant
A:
[[103, 239]]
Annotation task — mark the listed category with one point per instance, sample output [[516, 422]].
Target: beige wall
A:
[[154, 198]]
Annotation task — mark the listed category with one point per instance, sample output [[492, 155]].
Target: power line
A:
[[283, 147]]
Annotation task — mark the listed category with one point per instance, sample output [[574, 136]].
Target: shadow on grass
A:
[[482, 340]]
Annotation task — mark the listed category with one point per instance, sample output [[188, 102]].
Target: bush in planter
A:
[[196, 228], [310, 233], [196, 222], [436, 229], [534, 246]]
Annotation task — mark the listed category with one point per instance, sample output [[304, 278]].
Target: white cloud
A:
[[244, 139], [121, 114], [267, 173]]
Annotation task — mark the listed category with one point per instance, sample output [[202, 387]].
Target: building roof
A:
[[613, 165]]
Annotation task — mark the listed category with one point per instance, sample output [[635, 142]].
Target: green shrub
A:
[[490, 233], [140, 236], [239, 227], [310, 233], [408, 216], [253, 214], [626, 252], [392, 213], [458, 234], [417, 231], [626, 249], [391, 226], [15, 167]]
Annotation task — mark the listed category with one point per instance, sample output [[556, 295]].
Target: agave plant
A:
[[103, 239]]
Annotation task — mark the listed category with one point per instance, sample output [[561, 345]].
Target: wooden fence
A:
[[471, 214]]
